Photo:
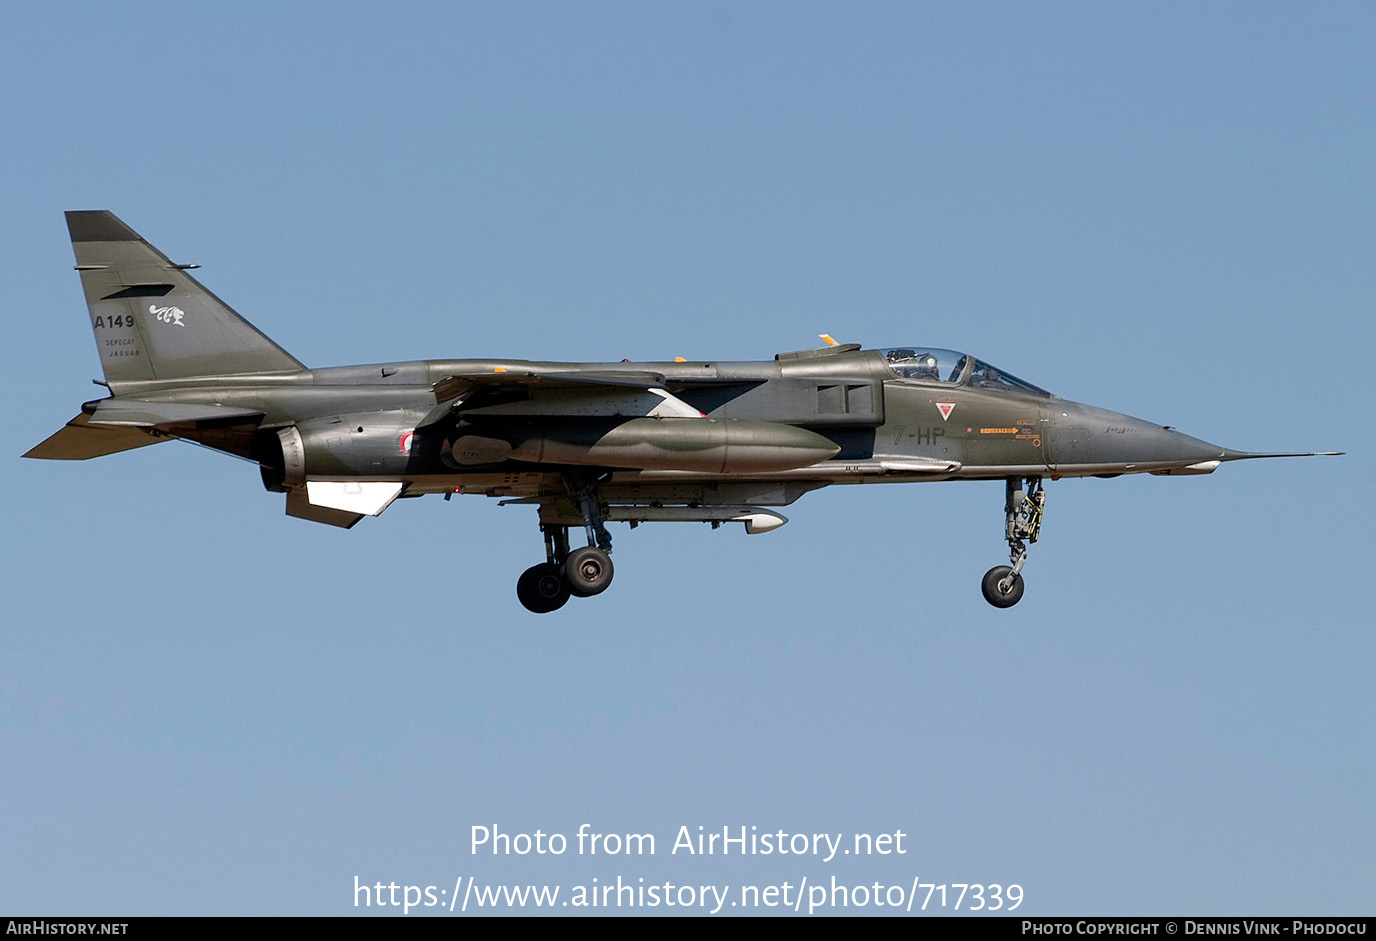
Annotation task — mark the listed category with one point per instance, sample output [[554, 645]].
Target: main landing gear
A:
[[579, 573], [1002, 584]]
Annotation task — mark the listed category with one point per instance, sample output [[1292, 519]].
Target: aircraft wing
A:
[[636, 393], [612, 393], [452, 387]]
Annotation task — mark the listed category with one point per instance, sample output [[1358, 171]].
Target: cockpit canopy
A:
[[933, 365]]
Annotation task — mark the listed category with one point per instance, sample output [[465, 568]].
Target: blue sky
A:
[[1166, 209]]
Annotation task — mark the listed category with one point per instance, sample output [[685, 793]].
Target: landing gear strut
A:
[[1002, 585], [579, 573]]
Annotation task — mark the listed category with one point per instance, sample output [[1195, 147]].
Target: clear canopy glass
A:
[[922, 362], [935, 365]]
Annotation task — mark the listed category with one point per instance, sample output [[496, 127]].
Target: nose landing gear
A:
[[1002, 585]]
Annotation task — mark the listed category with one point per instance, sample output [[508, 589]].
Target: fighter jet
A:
[[586, 444]]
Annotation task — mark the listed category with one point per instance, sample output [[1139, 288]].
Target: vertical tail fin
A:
[[152, 320]]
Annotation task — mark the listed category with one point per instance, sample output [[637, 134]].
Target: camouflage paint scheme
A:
[[586, 443]]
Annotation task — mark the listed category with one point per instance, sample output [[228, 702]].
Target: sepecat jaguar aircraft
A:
[[584, 443]]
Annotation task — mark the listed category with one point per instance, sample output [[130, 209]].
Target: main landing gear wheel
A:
[[588, 571], [542, 589], [1001, 587], [580, 573]]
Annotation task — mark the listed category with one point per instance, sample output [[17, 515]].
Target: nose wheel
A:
[[1002, 585]]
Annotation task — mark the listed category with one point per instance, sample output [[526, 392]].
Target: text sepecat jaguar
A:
[[584, 443]]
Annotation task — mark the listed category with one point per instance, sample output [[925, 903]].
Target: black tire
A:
[[990, 586], [542, 588], [588, 571]]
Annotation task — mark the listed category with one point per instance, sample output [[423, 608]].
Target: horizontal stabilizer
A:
[[79, 440], [156, 414]]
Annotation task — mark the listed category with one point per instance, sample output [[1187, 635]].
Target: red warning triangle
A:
[[945, 409]]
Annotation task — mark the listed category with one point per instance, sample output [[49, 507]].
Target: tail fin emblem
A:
[[171, 315]]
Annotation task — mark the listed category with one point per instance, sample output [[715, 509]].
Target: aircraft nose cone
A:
[[1087, 435]]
